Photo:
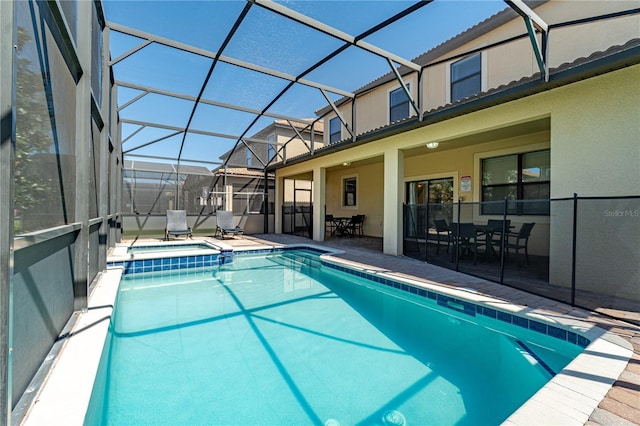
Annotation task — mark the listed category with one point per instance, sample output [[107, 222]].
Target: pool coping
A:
[[568, 398]]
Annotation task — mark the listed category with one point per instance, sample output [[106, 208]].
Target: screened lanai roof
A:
[[197, 79]]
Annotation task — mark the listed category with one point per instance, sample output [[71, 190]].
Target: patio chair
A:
[[465, 239], [520, 240], [443, 233], [225, 226], [328, 224], [356, 225], [493, 236], [176, 224]]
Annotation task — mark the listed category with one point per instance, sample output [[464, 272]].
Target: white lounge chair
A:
[[225, 226], [176, 224]]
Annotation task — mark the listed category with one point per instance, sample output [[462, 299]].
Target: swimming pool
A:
[[283, 338]]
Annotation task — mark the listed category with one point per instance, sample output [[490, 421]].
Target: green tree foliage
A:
[[33, 188]]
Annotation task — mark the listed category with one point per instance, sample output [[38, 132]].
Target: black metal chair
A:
[[356, 225], [443, 233], [329, 224], [520, 240], [493, 235], [465, 240]]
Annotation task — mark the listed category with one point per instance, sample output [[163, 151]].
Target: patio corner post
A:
[[7, 165], [393, 200], [319, 201], [265, 203]]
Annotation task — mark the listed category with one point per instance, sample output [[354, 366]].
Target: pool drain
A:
[[332, 422], [394, 418]]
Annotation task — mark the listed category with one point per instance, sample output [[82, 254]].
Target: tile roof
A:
[[239, 171]]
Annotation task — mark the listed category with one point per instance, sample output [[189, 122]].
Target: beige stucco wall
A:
[[570, 43], [595, 130], [369, 194]]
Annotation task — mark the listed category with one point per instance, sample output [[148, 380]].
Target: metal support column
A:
[[265, 202], [83, 146], [404, 87], [103, 182], [339, 114], [531, 20], [353, 118], [7, 164]]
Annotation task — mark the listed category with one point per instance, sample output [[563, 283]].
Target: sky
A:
[[266, 39]]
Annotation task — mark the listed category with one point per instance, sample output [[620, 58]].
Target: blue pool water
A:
[[279, 339]]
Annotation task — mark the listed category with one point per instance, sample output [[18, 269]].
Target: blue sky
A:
[[264, 39]]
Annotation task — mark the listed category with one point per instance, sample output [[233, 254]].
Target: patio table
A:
[[341, 226], [489, 232]]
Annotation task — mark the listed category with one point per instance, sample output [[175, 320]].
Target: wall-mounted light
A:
[[432, 145]]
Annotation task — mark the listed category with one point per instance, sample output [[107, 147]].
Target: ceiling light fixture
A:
[[346, 164], [432, 145]]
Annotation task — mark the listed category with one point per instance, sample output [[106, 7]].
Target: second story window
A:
[[466, 77], [398, 105], [335, 130], [248, 156], [272, 150]]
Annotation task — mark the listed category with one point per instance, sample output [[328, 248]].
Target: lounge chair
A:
[[225, 226], [176, 224]]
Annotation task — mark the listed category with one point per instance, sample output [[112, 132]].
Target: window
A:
[[398, 105], [349, 192], [272, 150], [335, 130], [520, 177], [436, 195], [248, 157], [466, 77]]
